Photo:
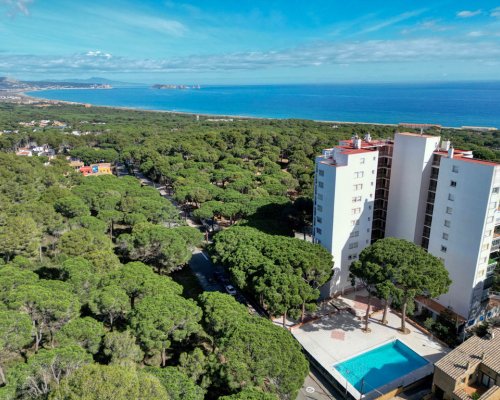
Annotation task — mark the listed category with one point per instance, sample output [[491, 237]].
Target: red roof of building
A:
[[347, 150], [458, 155]]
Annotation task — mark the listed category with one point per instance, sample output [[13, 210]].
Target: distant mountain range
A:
[[104, 81], [7, 83]]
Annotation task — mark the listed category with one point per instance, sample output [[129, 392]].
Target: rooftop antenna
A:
[[421, 131]]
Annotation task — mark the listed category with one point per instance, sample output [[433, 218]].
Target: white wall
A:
[[336, 227], [411, 167], [463, 258]]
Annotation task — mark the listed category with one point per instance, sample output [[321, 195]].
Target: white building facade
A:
[[416, 189], [343, 218]]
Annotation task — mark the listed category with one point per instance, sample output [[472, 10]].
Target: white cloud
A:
[[468, 13], [476, 34], [433, 25], [495, 12], [16, 6], [315, 54], [393, 21], [98, 53]]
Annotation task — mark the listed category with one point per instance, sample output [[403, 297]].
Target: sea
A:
[[446, 104]]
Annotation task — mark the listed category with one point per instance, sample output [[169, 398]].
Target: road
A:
[[315, 387]]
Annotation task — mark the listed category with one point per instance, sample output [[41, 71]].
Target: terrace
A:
[[336, 335]]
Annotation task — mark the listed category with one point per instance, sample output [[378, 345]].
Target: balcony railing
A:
[[495, 245]]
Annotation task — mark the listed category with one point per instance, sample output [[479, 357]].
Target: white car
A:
[[231, 290]]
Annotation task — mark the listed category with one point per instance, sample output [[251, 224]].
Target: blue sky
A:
[[251, 42]]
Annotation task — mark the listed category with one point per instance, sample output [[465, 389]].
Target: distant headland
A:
[[175, 87]]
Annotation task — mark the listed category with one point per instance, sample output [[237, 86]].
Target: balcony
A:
[[492, 264], [495, 244]]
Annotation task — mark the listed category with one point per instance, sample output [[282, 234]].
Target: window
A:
[[453, 183], [356, 199], [444, 249], [489, 220], [319, 219], [319, 208], [451, 197], [355, 222], [318, 230], [454, 169], [362, 160], [493, 204], [371, 183], [359, 174], [321, 172], [354, 234], [356, 210], [496, 190], [352, 256], [445, 236], [449, 210], [447, 223], [320, 184], [353, 245], [320, 196], [359, 186], [373, 172], [368, 230], [487, 233], [485, 246]]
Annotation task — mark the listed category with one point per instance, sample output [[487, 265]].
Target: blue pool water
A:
[[379, 366]]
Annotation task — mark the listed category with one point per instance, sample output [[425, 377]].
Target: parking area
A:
[[216, 279]]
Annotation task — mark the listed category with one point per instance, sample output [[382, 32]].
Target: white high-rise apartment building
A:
[[416, 189]]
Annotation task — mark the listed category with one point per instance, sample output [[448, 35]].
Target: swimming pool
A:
[[379, 366]]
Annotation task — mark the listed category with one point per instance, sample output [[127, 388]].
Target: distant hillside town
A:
[[16, 85]]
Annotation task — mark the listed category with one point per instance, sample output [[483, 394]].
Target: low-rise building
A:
[[24, 152], [472, 370], [76, 164], [97, 169]]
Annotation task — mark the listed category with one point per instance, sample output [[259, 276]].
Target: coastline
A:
[[194, 114], [33, 99]]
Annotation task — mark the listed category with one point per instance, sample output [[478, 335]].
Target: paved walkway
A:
[[317, 388]]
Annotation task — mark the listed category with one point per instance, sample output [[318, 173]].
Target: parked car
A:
[[231, 290]]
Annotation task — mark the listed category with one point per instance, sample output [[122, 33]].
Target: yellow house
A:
[[101, 169]]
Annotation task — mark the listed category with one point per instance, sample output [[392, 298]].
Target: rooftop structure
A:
[[419, 188], [473, 367], [24, 151]]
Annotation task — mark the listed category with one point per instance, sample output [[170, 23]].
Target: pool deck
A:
[[338, 336]]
